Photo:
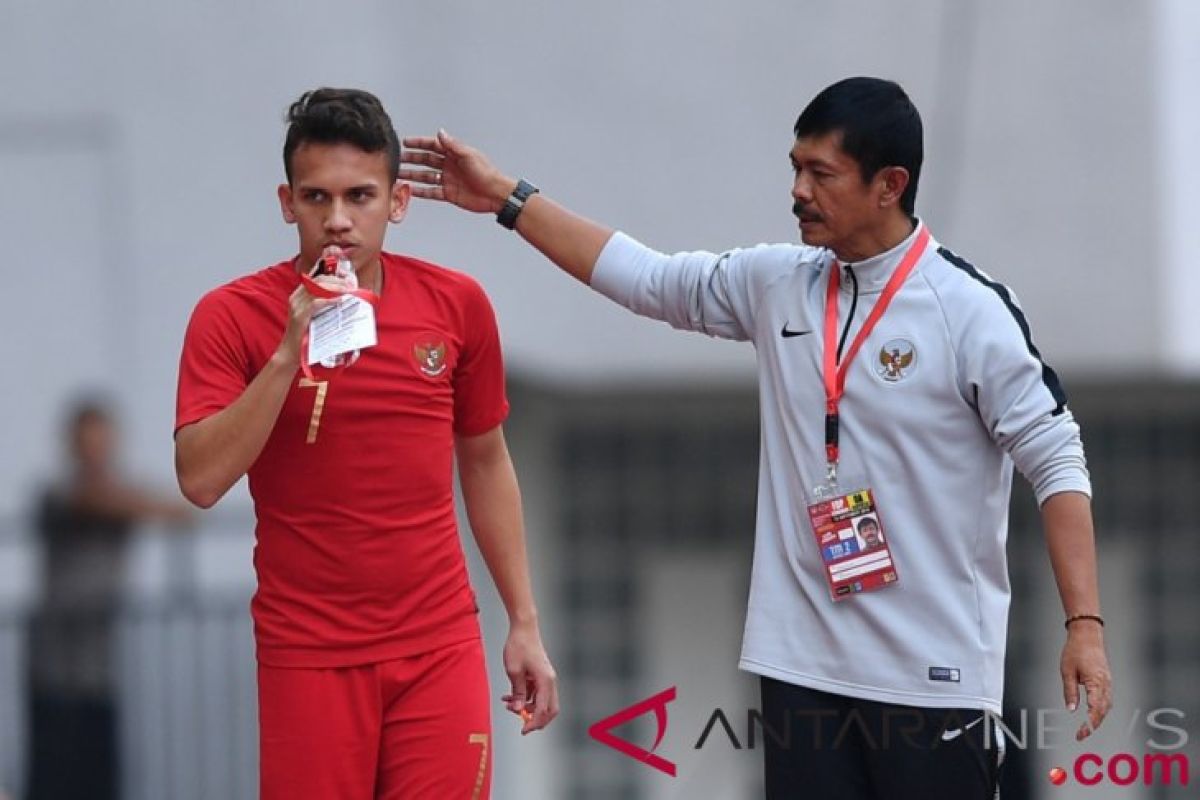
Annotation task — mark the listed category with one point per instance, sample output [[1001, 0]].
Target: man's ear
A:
[[401, 194], [285, 203], [895, 181]]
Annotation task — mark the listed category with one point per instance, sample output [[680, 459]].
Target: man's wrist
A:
[[523, 618], [514, 204], [1085, 627], [1090, 620], [285, 357], [502, 188]]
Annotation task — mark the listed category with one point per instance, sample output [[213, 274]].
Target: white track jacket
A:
[[946, 394]]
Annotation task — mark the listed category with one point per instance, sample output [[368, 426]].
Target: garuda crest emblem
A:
[[430, 356], [897, 359]]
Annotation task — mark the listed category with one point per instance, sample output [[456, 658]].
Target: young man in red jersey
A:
[[372, 680]]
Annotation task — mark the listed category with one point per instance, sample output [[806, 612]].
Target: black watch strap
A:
[[507, 216]]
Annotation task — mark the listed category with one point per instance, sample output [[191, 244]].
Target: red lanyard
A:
[[835, 373], [317, 290]]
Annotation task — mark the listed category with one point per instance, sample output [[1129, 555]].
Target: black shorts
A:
[[832, 747]]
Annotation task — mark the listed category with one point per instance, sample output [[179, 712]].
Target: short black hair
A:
[[862, 523], [879, 124], [333, 116]]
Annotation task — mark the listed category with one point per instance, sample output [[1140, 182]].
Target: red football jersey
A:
[[358, 554]]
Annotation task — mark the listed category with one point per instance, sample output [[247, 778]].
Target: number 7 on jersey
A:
[[314, 422]]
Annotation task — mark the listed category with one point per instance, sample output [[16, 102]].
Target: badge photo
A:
[[853, 548]]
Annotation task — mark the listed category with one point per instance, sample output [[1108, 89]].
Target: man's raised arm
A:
[[211, 455]]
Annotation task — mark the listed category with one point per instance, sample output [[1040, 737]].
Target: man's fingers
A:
[[516, 698], [1070, 691], [429, 192], [1085, 730], [541, 709], [553, 704], [425, 159], [1099, 702], [540, 697], [448, 144], [426, 184], [426, 149], [546, 701], [512, 702], [428, 177], [519, 703], [1099, 696], [428, 143]]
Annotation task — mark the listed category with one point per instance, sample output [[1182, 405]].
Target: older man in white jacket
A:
[[898, 383]]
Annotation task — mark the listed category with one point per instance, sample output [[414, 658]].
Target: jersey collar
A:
[[872, 273]]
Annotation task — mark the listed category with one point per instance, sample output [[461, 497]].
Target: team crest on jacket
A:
[[430, 355], [897, 360]]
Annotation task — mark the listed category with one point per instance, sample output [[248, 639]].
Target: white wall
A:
[[139, 148], [1177, 30]]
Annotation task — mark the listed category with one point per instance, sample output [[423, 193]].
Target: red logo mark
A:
[[601, 731]]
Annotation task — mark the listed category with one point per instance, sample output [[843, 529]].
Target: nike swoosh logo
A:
[[785, 333], [950, 736]]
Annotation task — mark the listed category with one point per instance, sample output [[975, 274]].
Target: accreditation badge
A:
[[850, 538]]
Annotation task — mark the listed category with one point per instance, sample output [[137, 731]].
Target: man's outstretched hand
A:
[[443, 168], [453, 172]]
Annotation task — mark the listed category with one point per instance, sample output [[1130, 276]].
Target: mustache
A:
[[799, 211]]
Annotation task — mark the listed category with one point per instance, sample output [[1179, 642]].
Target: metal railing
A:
[[183, 659]]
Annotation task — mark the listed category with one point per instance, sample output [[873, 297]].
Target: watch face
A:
[[507, 216], [524, 190]]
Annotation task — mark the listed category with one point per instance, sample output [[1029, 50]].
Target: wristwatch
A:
[[507, 215]]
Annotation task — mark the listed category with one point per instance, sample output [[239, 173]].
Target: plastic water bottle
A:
[[336, 264]]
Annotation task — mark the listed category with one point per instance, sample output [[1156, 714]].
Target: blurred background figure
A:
[[84, 521]]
